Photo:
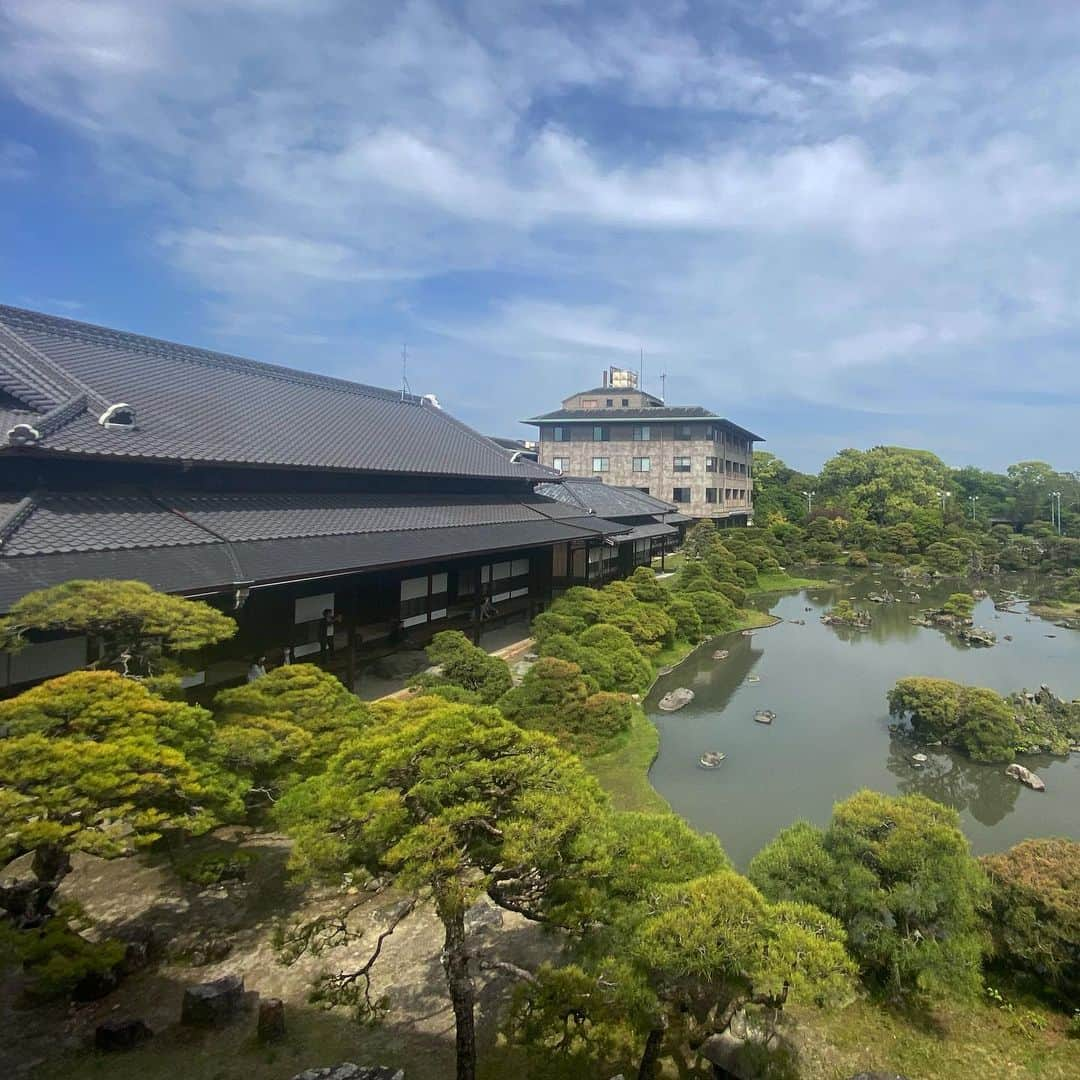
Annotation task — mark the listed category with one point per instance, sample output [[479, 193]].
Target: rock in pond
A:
[[120, 1035], [348, 1071], [721, 654], [764, 716], [211, 1003], [711, 759], [919, 759], [1025, 776], [676, 699]]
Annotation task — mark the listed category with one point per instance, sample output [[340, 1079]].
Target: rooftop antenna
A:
[[663, 386], [641, 368], [405, 388]]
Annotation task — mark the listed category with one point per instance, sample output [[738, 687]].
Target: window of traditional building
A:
[[680, 494], [609, 403], [681, 464], [626, 403], [642, 464], [600, 464]]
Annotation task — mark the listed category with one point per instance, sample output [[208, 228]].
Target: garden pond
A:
[[827, 687]]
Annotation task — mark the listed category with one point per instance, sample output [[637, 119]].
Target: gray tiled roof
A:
[[607, 500], [644, 532], [203, 543], [196, 405]]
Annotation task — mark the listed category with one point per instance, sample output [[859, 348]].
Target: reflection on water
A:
[[831, 737]]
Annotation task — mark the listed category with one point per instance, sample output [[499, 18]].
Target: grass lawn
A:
[[980, 1039], [1055, 609], [782, 582]]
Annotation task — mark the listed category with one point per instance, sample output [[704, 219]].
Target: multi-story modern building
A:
[[684, 454]]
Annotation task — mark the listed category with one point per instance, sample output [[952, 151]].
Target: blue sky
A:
[[839, 222]]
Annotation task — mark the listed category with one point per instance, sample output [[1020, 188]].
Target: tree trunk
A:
[[650, 1056], [455, 961]]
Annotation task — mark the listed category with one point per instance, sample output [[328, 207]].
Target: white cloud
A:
[[839, 202]]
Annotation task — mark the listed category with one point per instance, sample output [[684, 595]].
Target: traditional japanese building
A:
[[278, 495], [684, 454]]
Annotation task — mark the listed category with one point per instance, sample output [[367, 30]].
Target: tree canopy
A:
[[452, 800], [898, 875], [135, 626]]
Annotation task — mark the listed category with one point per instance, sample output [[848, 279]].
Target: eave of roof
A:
[[645, 416]]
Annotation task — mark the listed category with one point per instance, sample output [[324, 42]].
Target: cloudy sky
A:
[[838, 222]]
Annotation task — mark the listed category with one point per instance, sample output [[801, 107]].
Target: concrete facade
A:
[[705, 468]]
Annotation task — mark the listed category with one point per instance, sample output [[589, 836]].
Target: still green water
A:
[[831, 738]]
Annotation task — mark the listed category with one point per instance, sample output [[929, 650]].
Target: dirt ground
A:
[[122, 895]]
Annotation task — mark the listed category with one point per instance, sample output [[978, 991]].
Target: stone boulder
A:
[[212, 1003], [676, 699], [348, 1071], [120, 1035], [1025, 776]]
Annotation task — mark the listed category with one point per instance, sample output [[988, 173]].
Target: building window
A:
[[589, 403], [600, 464], [711, 494], [601, 433], [626, 403], [642, 464], [644, 491], [609, 403], [710, 464], [727, 494], [560, 434], [684, 432], [680, 495], [681, 464], [560, 463], [641, 433]]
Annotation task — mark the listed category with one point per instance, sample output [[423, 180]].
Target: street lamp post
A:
[[1055, 496], [809, 496], [943, 496], [973, 499]]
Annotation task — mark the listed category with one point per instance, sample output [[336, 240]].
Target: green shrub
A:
[[747, 573], [647, 587], [467, 665], [1035, 912], [735, 593], [688, 624], [631, 672], [717, 612], [592, 661], [56, 958], [859, 559], [897, 872], [549, 623]]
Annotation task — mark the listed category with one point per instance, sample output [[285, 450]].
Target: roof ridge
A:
[[16, 514], [193, 353], [52, 383]]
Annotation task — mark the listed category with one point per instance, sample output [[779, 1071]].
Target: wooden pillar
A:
[[353, 623], [477, 586]]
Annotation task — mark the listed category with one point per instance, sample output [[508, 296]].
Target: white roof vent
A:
[[120, 415], [23, 435], [431, 399]]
